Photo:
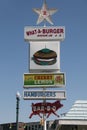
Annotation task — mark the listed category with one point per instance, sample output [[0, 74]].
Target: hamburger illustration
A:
[[45, 57]]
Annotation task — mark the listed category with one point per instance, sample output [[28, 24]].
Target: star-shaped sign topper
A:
[[44, 13]]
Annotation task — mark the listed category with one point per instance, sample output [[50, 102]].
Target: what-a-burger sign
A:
[[44, 33]]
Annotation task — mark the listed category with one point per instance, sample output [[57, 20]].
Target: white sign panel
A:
[[40, 95], [44, 56], [54, 33]]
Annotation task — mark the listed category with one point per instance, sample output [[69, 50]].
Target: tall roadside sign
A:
[[44, 64]]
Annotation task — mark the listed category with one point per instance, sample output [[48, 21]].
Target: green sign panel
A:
[[44, 80]]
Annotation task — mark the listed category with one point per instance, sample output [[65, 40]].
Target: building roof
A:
[[77, 113]]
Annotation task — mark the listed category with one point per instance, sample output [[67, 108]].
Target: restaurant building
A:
[[76, 118], [50, 125]]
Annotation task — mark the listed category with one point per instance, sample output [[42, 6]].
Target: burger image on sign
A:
[[45, 57]]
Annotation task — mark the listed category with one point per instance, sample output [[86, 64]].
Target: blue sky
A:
[[14, 16]]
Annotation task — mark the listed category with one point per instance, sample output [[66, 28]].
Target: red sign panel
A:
[[45, 108]]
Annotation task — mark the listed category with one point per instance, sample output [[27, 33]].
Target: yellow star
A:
[[44, 13]]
